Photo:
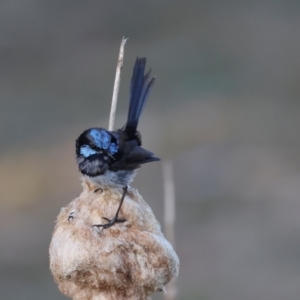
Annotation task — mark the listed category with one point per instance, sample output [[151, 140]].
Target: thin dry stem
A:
[[169, 217], [114, 100], [169, 200]]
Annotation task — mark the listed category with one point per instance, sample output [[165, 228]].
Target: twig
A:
[[169, 217], [114, 100]]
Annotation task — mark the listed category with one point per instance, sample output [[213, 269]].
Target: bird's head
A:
[[95, 148]]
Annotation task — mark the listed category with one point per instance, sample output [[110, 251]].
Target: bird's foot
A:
[[115, 219]]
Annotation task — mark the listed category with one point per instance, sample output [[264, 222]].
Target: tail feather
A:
[[141, 85]]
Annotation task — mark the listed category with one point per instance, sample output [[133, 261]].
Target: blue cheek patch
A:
[[87, 151], [102, 140]]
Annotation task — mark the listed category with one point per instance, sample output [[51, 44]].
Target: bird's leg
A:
[[115, 219]]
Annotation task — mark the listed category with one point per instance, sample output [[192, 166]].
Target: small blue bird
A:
[[110, 158]]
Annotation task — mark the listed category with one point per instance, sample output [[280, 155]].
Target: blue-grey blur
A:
[[225, 108], [110, 158]]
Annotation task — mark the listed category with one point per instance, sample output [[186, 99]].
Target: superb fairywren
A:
[[110, 158]]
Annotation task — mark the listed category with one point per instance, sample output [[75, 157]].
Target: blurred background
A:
[[225, 108]]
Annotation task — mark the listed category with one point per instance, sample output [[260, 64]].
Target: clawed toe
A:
[[110, 223]]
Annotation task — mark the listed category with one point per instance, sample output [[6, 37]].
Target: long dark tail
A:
[[141, 85]]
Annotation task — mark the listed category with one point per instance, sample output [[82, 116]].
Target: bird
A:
[[111, 158]]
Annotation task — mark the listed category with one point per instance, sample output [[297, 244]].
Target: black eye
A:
[[94, 147]]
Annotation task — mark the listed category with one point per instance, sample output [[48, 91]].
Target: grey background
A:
[[225, 109]]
